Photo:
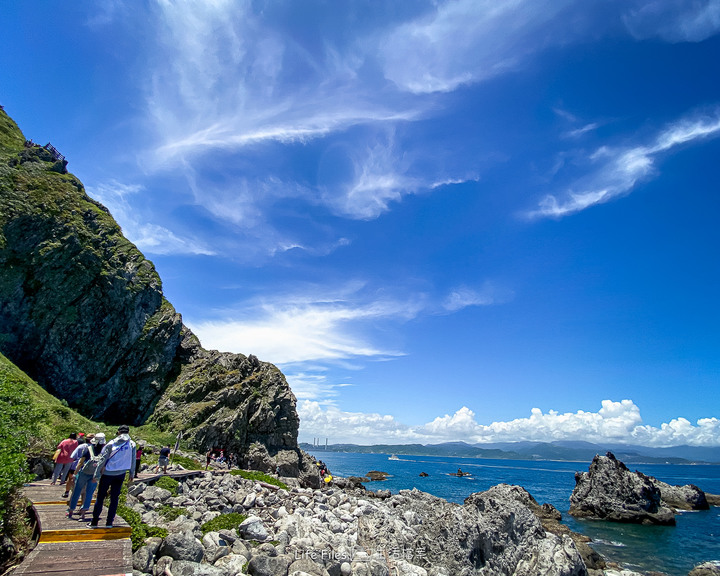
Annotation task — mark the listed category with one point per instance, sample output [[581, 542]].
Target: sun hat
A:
[[99, 438]]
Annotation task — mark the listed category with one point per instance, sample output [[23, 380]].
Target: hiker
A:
[[138, 456], [117, 459], [87, 464], [70, 483], [63, 458], [164, 459]]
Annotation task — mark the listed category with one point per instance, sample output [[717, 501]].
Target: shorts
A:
[[163, 461]]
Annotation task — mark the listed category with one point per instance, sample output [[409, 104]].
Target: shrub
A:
[[18, 419], [187, 463], [223, 522], [169, 484], [140, 530], [260, 477], [171, 513]]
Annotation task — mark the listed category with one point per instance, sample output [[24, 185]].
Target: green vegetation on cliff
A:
[[81, 308], [18, 420], [82, 312]]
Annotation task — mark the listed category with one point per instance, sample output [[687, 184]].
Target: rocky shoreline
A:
[[343, 530]]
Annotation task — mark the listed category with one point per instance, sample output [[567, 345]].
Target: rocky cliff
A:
[[82, 312], [609, 491]]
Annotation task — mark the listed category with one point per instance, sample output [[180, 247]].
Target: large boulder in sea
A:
[[83, 313], [688, 497], [609, 491]]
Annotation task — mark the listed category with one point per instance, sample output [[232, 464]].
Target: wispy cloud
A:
[[228, 78], [319, 324], [149, 237], [488, 294], [616, 171], [298, 329], [617, 422], [674, 20], [467, 41]]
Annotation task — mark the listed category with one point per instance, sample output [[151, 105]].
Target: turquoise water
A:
[[672, 550]]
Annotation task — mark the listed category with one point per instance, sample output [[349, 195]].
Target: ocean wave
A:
[[609, 543]]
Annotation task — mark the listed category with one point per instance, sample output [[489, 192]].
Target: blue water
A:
[[672, 550]]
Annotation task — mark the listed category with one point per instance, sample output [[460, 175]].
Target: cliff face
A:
[[222, 399], [83, 313]]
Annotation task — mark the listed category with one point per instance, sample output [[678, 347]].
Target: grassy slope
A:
[[58, 420]]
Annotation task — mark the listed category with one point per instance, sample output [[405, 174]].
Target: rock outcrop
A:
[[82, 312], [331, 532], [706, 569], [609, 491], [688, 497]]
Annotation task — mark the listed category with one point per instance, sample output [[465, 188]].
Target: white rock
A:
[[253, 529]]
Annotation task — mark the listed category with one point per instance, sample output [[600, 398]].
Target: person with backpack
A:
[[117, 459], [88, 458]]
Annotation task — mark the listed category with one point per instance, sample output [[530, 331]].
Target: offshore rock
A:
[[82, 312], [688, 497], [706, 569], [609, 491]]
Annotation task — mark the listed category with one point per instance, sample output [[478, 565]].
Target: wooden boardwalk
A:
[[67, 547]]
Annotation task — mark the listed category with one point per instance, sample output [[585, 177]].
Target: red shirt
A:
[[66, 449]]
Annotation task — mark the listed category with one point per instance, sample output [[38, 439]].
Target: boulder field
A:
[[336, 532]]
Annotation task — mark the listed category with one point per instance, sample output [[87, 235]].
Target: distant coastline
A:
[[561, 451]]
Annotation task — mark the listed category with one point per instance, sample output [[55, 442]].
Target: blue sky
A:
[[461, 220]]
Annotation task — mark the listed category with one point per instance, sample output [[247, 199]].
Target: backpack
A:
[[91, 463]]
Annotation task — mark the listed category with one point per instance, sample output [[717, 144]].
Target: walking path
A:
[[67, 547]]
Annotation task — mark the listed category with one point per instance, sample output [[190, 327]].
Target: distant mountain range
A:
[[573, 451]]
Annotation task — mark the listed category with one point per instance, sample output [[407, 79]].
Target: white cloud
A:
[[297, 330], [148, 237], [350, 427], [616, 422], [326, 324], [674, 20], [464, 296], [468, 41], [620, 169], [227, 78]]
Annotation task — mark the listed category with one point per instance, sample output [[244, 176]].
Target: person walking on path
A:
[[70, 483], [85, 474], [117, 459], [64, 458], [164, 459], [138, 456]]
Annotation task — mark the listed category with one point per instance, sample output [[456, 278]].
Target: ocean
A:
[[672, 550]]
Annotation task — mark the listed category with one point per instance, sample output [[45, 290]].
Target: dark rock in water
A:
[[350, 483], [424, 474], [376, 476], [712, 499], [688, 497], [609, 491], [705, 569]]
